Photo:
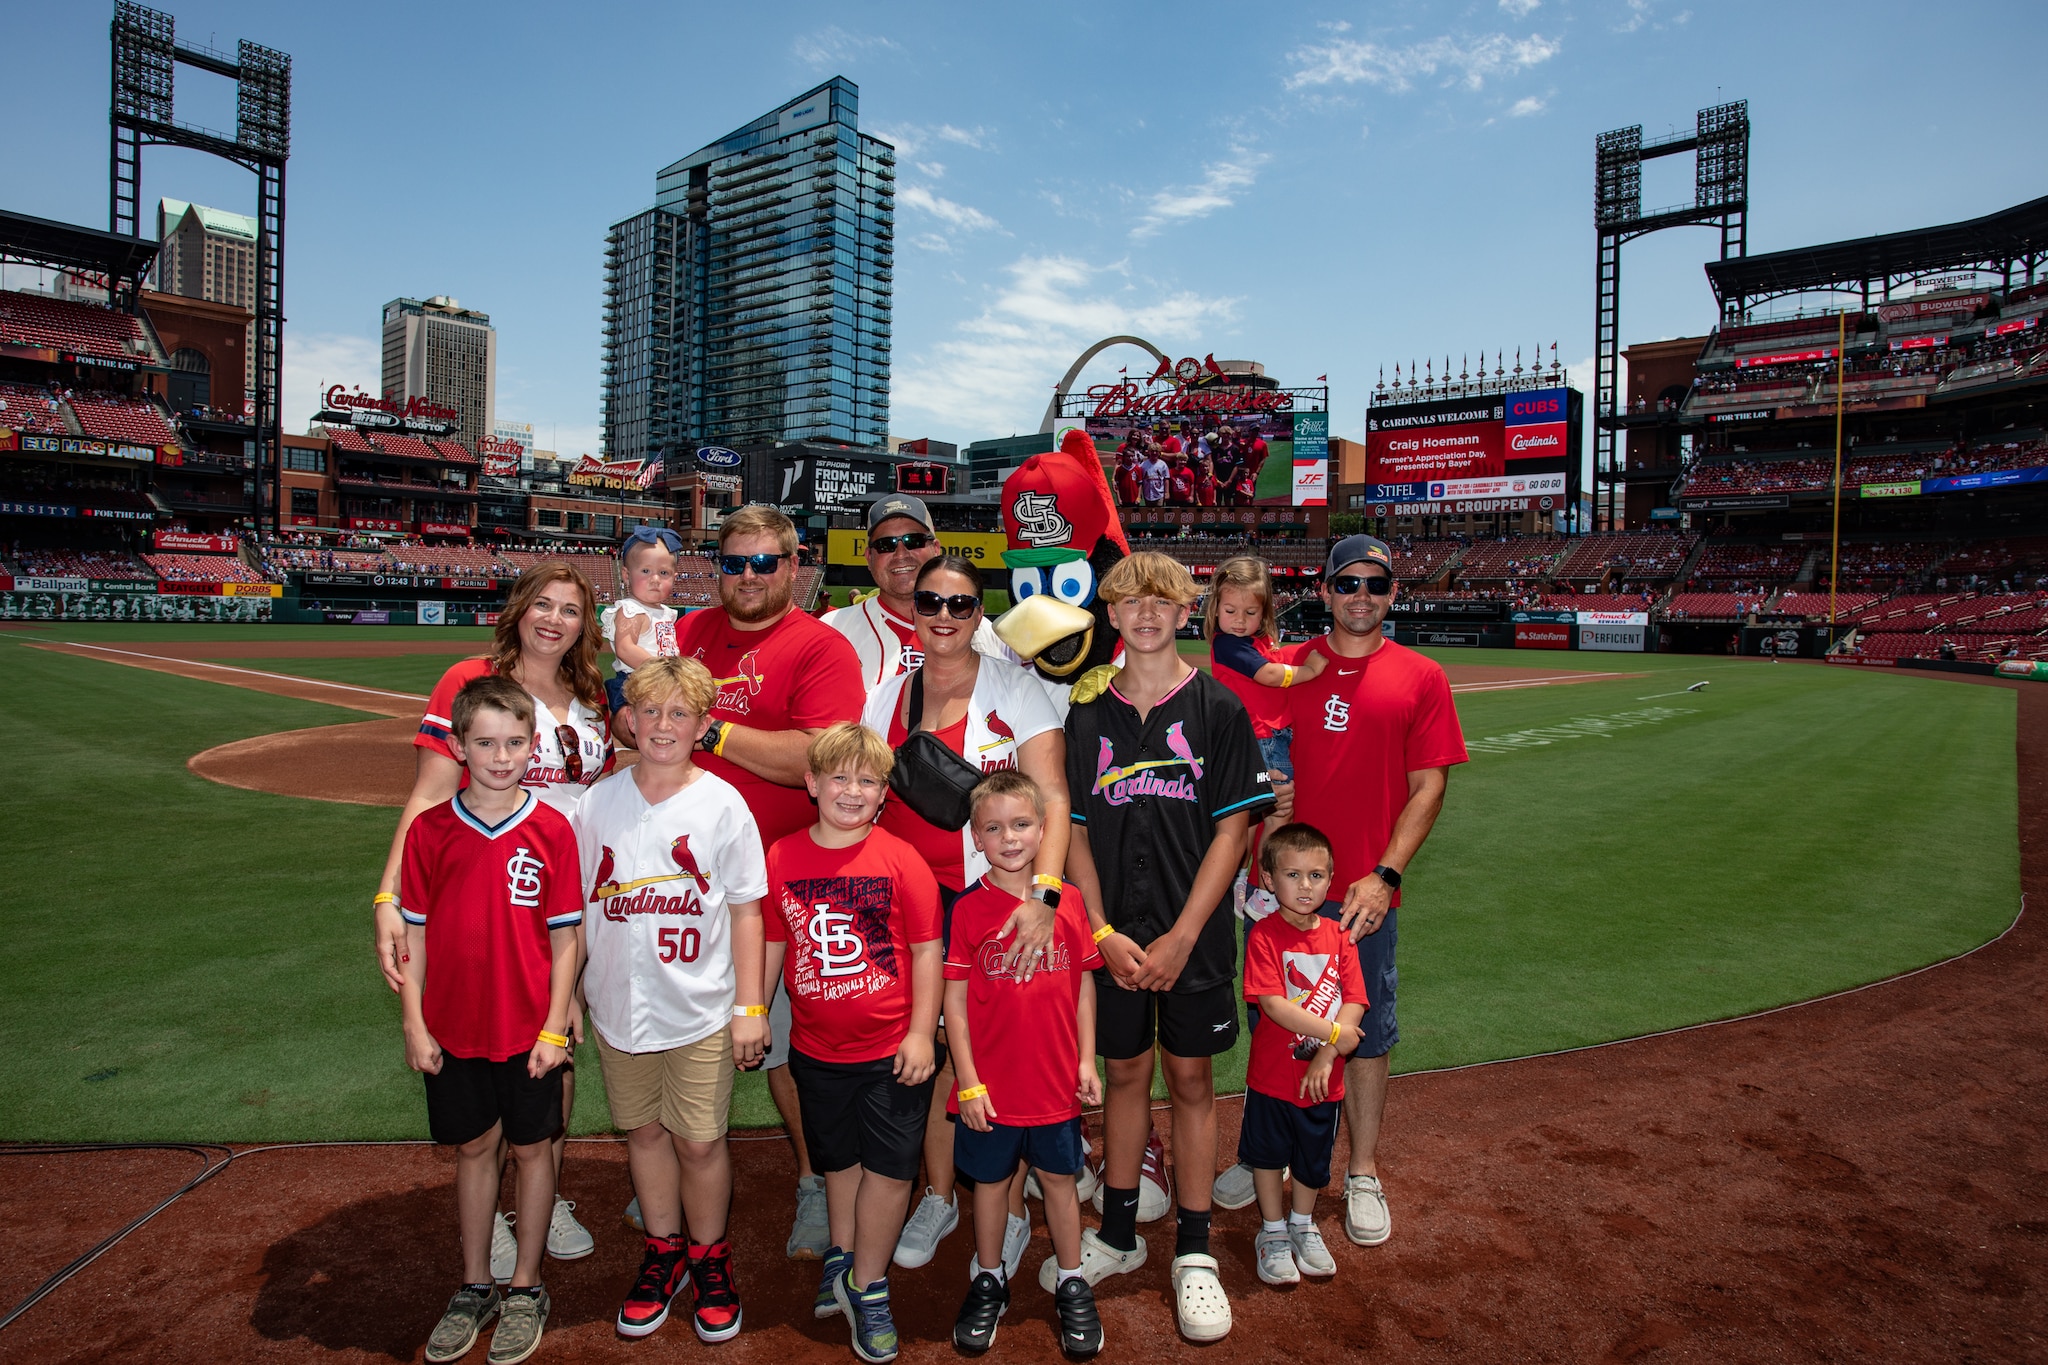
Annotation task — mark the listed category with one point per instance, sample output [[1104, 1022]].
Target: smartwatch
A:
[[712, 734], [1049, 894], [1389, 876]]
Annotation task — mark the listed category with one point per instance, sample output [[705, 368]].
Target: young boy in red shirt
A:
[[1023, 1084], [493, 895], [1302, 970], [852, 927]]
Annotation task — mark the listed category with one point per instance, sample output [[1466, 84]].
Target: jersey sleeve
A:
[[437, 728], [742, 866], [1262, 966], [919, 891], [960, 952], [827, 687], [1349, 974], [563, 900], [1434, 737], [415, 875], [1026, 708], [1238, 653], [1237, 779]]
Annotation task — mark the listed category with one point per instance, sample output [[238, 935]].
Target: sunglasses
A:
[[909, 540], [959, 606], [572, 751], [732, 566], [1350, 583], [652, 535]]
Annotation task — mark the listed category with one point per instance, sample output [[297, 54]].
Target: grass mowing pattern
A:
[[190, 960]]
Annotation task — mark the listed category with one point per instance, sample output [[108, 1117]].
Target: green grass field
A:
[[190, 961]]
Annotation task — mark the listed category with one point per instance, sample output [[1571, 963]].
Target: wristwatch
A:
[[712, 733], [1389, 876], [1049, 894]]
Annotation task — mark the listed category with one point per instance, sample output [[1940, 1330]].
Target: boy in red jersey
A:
[[1302, 972], [493, 895], [1022, 1087], [852, 925]]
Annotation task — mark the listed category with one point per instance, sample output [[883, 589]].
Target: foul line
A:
[[250, 672], [1510, 684]]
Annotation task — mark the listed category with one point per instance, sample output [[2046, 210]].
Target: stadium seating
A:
[[1647, 556], [1517, 558], [32, 409], [1881, 563], [1424, 561], [1813, 606], [117, 417], [1729, 563], [61, 324], [181, 568], [463, 561], [1596, 601], [453, 452], [1713, 606], [114, 564]]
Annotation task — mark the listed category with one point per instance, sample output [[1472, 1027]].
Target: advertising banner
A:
[[976, 547], [1311, 459], [1965, 304], [1890, 490], [1542, 635], [251, 590], [832, 485], [433, 613], [374, 524], [1997, 478], [194, 543], [27, 583], [1417, 443], [1622, 631], [1739, 502], [129, 606], [442, 528], [1744, 362]]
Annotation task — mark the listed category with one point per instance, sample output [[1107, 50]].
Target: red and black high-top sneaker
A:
[[662, 1276], [718, 1296]]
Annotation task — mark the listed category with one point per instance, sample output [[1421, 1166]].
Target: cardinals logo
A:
[[607, 867], [687, 861], [1127, 782], [750, 674], [1038, 518], [1000, 728]]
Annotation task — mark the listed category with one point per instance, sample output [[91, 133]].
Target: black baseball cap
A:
[[1359, 549], [899, 505]]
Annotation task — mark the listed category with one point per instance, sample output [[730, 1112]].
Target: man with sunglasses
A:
[[1375, 737], [883, 628]]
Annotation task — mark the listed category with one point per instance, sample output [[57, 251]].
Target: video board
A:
[[1513, 451]]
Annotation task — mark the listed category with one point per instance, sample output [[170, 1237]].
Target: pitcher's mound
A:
[[369, 763]]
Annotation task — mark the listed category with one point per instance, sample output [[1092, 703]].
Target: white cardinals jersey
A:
[[658, 880]]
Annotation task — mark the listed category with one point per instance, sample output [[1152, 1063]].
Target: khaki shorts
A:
[[688, 1088]]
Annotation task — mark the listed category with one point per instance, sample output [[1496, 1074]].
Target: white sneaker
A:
[[1367, 1220], [810, 1236], [504, 1248], [1235, 1188], [1087, 1182], [1099, 1261], [929, 1223], [1198, 1298], [1016, 1237], [1276, 1258], [1155, 1187], [1310, 1252], [568, 1240]]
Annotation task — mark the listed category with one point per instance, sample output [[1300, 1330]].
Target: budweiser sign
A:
[[593, 472], [1190, 386], [339, 399]]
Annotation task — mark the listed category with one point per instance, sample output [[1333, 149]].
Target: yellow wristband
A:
[[557, 1039], [384, 898], [1047, 879], [1336, 1032], [1287, 675], [724, 733], [748, 1011], [1104, 932], [972, 1092]]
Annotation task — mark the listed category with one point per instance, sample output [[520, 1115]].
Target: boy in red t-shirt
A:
[[1303, 972], [852, 926], [1022, 1086], [493, 895]]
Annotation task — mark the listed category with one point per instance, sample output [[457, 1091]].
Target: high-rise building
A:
[[751, 304], [447, 354], [209, 254]]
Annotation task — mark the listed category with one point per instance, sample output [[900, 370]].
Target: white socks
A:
[[1301, 1220], [1066, 1274], [1272, 1226], [975, 1270]]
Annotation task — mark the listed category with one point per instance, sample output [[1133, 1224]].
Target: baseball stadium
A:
[[1717, 983]]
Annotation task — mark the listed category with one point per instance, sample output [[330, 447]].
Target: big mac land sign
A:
[[1491, 446]]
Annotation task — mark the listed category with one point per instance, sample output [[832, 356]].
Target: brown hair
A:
[[579, 663], [1148, 573], [489, 693], [849, 746], [758, 518], [1246, 573], [1007, 782], [1294, 838], [662, 679], [950, 564]]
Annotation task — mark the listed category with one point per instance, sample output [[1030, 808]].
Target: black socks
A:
[[1120, 1218], [1192, 1234]]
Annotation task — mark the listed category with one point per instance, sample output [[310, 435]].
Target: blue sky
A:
[[1327, 189]]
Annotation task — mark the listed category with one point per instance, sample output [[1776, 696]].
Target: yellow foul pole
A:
[[1835, 552]]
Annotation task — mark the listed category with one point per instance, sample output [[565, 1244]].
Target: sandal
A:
[[1199, 1300]]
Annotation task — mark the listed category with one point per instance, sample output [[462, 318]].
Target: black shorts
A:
[[1278, 1135], [855, 1114], [1197, 1024], [472, 1093], [987, 1158]]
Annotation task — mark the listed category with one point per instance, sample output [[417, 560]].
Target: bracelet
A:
[[384, 898], [1336, 1032], [1047, 879], [724, 733], [557, 1039], [972, 1092], [748, 1011], [1287, 675], [1104, 932]]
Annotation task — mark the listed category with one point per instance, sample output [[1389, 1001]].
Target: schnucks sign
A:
[[193, 542]]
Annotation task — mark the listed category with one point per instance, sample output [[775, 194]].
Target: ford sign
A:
[[718, 457]]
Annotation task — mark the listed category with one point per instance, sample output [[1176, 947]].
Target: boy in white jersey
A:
[[673, 944]]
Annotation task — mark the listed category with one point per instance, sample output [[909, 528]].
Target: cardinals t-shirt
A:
[[798, 674], [1316, 969], [849, 916], [1359, 730], [1026, 1035]]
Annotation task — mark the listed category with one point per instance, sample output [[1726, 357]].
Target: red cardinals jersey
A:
[[488, 895], [1316, 969], [1025, 1036], [799, 674], [849, 916]]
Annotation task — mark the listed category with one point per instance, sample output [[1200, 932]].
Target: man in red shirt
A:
[[1375, 737], [783, 677]]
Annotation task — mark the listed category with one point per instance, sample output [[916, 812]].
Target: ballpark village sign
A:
[[417, 416]]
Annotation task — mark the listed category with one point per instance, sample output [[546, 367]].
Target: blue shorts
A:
[[615, 691], [1277, 751], [1380, 1029], [1280, 1135], [987, 1158]]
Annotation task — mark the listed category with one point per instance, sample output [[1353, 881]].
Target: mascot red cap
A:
[[1064, 536]]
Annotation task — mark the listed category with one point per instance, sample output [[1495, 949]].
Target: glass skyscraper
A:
[[751, 303]]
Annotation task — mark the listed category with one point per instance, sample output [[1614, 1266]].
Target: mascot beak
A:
[[1049, 632]]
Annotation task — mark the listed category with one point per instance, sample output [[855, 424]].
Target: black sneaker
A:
[[988, 1298], [1080, 1324]]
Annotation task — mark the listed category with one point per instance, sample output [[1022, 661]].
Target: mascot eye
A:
[[1026, 583], [1074, 582]]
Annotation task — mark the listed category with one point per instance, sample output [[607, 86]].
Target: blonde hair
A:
[[758, 518], [1246, 573], [662, 679], [849, 746], [1006, 782], [1148, 573]]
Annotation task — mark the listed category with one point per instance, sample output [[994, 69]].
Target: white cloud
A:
[[313, 361], [998, 370], [945, 210], [1520, 8], [935, 169], [1343, 25], [911, 138], [1469, 62], [834, 46], [932, 241], [1527, 105], [1219, 187]]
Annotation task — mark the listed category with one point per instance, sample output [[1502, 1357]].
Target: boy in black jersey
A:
[[1166, 779]]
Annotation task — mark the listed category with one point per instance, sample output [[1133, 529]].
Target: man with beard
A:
[[783, 676]]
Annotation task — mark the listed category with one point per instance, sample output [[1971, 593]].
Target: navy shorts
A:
[[1280, 1135], [469, 1094], [615, 692], [991, 1157], [856, 1114], [1277, 752], [1380, 1030]]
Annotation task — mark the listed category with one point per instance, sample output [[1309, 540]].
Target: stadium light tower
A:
[[146, 55], [1720, 146]]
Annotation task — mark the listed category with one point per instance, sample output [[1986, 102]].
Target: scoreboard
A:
[[924, 478]]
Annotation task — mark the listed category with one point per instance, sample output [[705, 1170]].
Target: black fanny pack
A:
[[936, 783]]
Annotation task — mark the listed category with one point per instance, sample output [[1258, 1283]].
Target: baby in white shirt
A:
[[642, 626]]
